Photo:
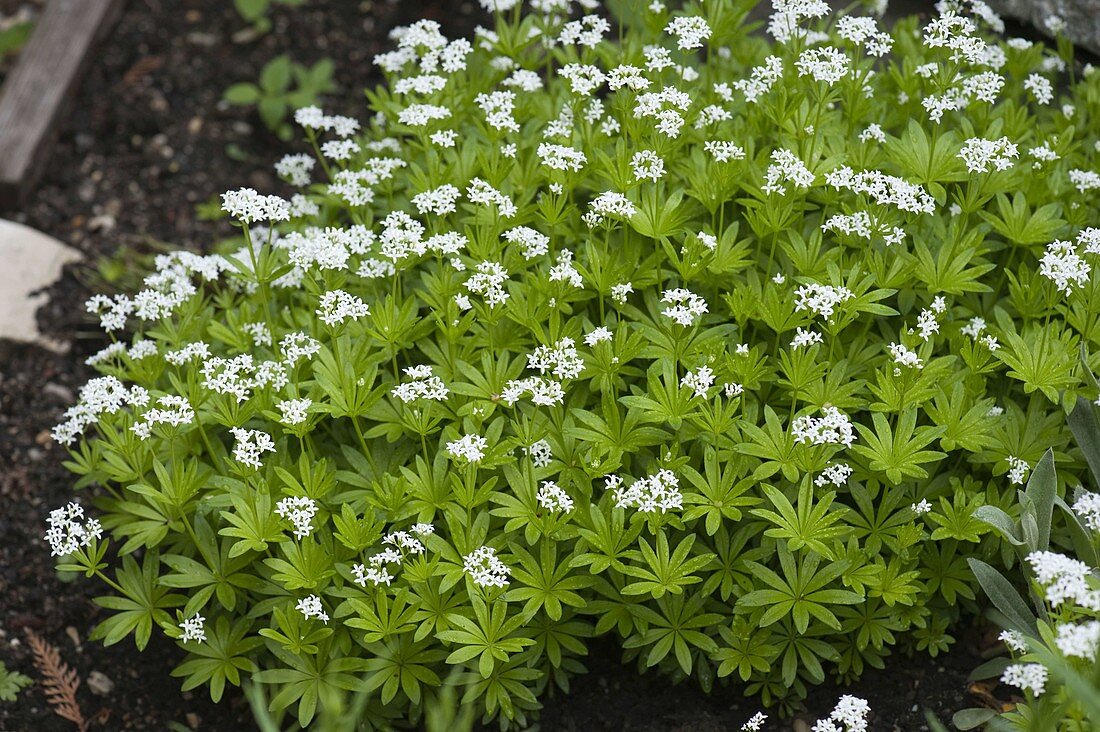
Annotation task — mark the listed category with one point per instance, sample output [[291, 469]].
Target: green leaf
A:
[[242, 94], [1004, 597]]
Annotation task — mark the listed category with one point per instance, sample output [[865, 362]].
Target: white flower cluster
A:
[[921, 507], [534, 243], [837, 475], [1017, 470], [313, 118], [653, 493], [561, 157], [1065, 581], [172, 410], [470, 448], [647, 165], [684, 306], [598, 335], [755, 723], [1040, 87], [1014, 640], [499, 107], [699, 381], [239, 375], [488, 282], [826, 64], [955, 33], [194, 629], [337, 306], [690, 31], [424, 385], [1079, 640], [864, 31], [543, 392], [484, 567], [295, 169], [849, 715], [1087, 506], [294, 411], [608, 203], [251, 445], [66, 532], [587, 32], [250, 207], [561, 359], [299, 510], [554, 498], [979, 154], [100, 396], [786, 168], [540, 453], [1063, 266], [833, 427], [310, 607], [1027, 676], [1084, 180], [438, 201], [904, 357], [666, 107], [805, 338], [783, 22], [821, 299], [883, 189], [399, 545], [760, 79]]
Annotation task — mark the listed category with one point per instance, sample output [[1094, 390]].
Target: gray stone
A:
[[100, 684], [1082, 17], [31, 262]]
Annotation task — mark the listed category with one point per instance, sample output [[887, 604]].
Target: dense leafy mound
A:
[[708, 340]]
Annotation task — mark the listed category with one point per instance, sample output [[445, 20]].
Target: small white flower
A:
[[1027, 676], [755, 723], [485, 569], [299, 510], [337, 307], [921, 507], [251, 444], [699, 381], [250, 207], [1014, 640], [650, 494], [647, 165], [805, 338], [470, 448], [66, 532], [832, 428], [1087, 506], [310, 607], [690, 31], [685, 307], [553, 498], [1079, 640], [294, 411], [193, 629], [599, 335]]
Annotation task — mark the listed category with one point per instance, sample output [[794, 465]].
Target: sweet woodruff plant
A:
[[644, 324]]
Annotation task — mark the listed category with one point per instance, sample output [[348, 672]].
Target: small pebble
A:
[[99, 684]]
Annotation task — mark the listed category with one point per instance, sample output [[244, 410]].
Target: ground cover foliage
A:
[[654, 327]]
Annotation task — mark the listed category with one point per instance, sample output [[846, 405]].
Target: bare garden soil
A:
[[146, 141]]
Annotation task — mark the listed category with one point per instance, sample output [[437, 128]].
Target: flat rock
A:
[[31, 262], [1079, 17]]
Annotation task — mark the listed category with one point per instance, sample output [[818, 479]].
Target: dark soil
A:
[[146, 140], [612, 696]]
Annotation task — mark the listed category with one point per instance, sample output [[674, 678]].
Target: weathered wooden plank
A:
[[35, 94]]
